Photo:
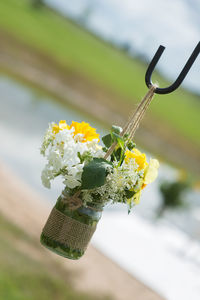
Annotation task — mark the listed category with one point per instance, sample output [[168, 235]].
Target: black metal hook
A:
[[179, 79]]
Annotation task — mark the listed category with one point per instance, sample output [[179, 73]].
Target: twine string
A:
[[141, 114], [134, 121]]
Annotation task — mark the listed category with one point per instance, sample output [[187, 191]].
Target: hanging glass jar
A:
[[70, 226]]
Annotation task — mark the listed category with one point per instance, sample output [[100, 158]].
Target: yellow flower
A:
[[135, 198], [151, 172], [140, 158], [57, 127], [88, 132]]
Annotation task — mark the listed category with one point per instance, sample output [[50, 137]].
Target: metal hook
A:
[[179, 79]]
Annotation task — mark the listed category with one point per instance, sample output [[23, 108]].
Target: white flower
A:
[[64, 136], [95, 149], [48, 138], [73, 178], [46, 177], [81, 147], [76, 171], [63, 152], [79, 137], [71, 182], [55, 160]]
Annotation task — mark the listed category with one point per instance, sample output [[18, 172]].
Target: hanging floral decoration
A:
[[73, 152], [93, 176]]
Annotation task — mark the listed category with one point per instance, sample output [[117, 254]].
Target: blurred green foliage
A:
[[172, 194], [37, 3], [81, 52], [24, 278]]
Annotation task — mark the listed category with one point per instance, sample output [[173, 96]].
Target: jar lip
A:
[[93, 206], [96, 206]]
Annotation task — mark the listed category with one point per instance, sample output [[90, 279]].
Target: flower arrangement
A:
[[91, 181]]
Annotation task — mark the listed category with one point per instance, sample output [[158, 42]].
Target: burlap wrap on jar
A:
[[68, 231]]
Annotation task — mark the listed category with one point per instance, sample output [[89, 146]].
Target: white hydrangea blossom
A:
[[63, 152]]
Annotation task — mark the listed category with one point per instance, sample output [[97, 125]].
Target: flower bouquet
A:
[[93, 176]]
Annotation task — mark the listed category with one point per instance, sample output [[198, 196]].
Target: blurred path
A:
[[94, 273], [72, 88]]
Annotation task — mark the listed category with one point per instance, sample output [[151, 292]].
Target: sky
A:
[[146, 24]]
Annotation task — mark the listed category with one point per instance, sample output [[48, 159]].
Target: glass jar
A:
[[68, 230]]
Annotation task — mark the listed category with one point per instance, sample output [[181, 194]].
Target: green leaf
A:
[[107, 140], [85, 157], [129, 194], [117, 154], [126, 135], [131, 145], [118, 139], [105, 149], [94, 173], [116, 129]]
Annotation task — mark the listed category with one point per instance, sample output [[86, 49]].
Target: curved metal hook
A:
[[179, 79]]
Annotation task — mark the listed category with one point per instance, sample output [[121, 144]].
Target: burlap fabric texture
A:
[[68, 231]]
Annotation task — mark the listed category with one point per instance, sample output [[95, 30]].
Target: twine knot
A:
[[74, 201]]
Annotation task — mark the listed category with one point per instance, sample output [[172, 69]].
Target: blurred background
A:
[[86, 60]]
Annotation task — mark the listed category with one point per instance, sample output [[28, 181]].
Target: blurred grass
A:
[[81, 52], [24, 278]]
